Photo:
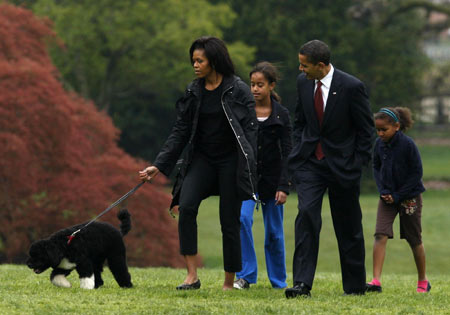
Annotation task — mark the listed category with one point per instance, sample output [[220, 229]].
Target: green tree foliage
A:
[[379, 41], [387, 57], [131, 58]]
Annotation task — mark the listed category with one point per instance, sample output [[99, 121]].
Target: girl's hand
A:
[[148, 173], [387, 198], [280, 197]]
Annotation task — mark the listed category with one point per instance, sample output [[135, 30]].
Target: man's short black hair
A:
[[316, 51]]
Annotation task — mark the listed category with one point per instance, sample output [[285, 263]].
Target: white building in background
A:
[[438, 50], [429, 108]]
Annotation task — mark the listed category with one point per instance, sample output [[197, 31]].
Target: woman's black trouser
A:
[[203, 175]]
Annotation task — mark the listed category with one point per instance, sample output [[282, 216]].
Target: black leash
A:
[[128, 194]]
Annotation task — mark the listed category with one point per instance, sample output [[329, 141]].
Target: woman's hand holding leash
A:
[[147, 174]]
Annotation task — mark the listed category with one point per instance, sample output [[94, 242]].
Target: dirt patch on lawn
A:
[[437, 185], [443, 142]]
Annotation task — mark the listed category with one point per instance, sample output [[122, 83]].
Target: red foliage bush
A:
[[59, 160]]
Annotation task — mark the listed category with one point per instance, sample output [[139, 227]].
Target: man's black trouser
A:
[[203, 176], [312, 180]]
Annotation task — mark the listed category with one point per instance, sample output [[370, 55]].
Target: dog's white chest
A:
[[66, 264]]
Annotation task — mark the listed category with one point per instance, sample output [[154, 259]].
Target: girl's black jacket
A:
[[239, 107], [397, 168], [274, 146]]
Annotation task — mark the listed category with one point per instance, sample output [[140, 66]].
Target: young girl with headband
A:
[[398, 173]]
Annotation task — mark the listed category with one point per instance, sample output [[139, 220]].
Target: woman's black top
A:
[[178, 150], [214, 138]]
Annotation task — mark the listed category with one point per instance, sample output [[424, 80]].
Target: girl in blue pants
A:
[[274, 146]]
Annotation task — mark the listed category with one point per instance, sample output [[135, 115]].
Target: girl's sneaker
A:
[[373, 286], [423, 286], [241, 284]]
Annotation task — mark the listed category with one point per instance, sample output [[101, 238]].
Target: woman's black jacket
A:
[[274, 146], [239, 107]]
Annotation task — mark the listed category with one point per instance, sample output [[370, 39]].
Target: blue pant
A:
[[273, 243]]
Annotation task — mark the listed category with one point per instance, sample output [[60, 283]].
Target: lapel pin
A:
[[334, 93]]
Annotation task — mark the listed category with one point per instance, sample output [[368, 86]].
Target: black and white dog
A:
[[86, 253]]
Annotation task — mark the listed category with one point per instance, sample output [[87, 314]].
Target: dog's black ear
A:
[[54, 253]]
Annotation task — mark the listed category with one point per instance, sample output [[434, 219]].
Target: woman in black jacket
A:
[[216, 128]]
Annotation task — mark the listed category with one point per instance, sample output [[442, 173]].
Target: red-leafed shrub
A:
[[59, 160]]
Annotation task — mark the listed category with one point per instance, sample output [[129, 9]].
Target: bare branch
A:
[[409, 5]]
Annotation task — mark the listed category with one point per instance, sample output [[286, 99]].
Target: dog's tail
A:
[[125, 221]]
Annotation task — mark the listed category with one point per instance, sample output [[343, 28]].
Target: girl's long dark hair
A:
[[270, 72]]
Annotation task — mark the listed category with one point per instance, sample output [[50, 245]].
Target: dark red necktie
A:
[[318, 104]]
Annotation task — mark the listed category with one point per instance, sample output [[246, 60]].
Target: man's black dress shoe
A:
[[300, 289], [193, 286]]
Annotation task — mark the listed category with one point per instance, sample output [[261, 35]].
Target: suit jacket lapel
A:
[[332, 96]]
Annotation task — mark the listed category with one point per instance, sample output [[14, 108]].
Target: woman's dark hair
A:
[[216, 52], [403, 115], [316, 51], [269, 72]]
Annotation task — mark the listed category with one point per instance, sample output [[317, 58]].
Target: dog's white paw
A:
[[61, 281], [87, 283]]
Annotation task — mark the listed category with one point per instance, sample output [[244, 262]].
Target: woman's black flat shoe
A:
[[193, 286]]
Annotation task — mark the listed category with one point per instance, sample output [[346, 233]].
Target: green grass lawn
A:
[[23, 292], [434, 147], [399, 260], [436, 161]]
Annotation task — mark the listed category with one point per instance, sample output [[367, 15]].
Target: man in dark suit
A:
[[333, 132]]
